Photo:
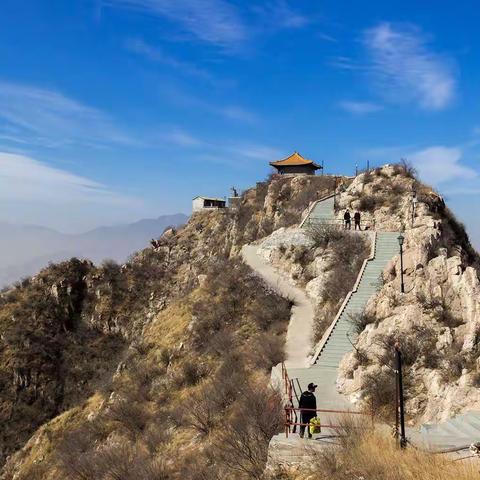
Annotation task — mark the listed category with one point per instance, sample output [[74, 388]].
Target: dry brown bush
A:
[[375, 456], [242, 447], [370, 203], [117, 461], [416, 345], [379, 391], [360, 320], [325, 234], [130, 415]]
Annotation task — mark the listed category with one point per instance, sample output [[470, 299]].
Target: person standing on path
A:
[[356, 217], [307, 401], [348, 220]]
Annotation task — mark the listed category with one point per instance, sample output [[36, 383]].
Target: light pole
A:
[[401, 239], [400, 414]]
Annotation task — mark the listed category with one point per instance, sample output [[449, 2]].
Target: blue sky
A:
[[114, 110]]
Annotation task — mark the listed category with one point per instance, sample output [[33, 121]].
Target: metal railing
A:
[[368, 225], [291, 418]]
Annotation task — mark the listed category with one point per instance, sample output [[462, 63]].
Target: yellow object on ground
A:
[[315, 426]]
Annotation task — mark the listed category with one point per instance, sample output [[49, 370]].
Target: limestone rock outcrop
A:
[[436, 322]]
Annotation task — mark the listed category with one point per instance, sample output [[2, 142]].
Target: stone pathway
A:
[[300, 328]]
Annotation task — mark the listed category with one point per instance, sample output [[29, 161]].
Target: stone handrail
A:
[[329, 330]]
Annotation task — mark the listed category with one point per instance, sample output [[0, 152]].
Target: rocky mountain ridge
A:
[[142, 364], [162, 312]]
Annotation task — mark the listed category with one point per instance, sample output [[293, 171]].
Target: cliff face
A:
[[436, 322]]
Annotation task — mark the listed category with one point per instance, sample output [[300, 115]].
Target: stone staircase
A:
[[321, 211], [338, 339], [458, 433]]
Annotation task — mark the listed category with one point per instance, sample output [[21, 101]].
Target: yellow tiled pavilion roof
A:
[[294, 160]]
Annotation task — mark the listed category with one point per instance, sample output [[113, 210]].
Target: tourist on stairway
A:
[[309, 402], [356, 217], [348, 220]]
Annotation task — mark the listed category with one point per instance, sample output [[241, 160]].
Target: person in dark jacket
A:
[[348, 220], [356, 217], [307, 400]]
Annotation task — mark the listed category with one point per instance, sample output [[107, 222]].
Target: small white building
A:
[[202, 203]]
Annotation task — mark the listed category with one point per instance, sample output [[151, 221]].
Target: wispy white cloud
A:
[[180, 138], [278, 14], [346, 63], [254, 151], [359, 108], [49, 118], [212, 21], [221, 22], [181, 98], [156, 54], [236, 154], [405, 68], [35, 192], [440, 164], [26, 179], [235, 112]]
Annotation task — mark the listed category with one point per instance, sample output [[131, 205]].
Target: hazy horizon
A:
[[127, 109]]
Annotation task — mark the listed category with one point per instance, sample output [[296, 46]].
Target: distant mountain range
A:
[[25, 249]]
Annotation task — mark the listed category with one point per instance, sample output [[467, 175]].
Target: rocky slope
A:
[[158, 368], [154, 355]]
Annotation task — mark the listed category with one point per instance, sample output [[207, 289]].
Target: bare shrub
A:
[[123, 462], [379, 390], [379, 172], [267, 351], [206, 407], [130, 415], [324, 234], [439, 309], [475, 379], [370, 203], [361, 356], [192, 372], [349, 252], [405, 168], [202, 411], [397, 190], [234, 297], [352, 429], [367, 177], [242, 447], [417, 345], [360, 320], [454, 361]]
